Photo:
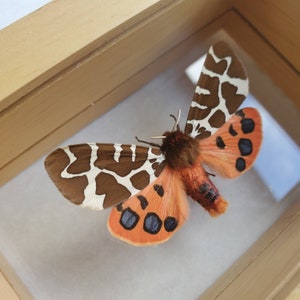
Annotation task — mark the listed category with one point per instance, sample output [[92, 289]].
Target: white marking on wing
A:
[[133, 148], [196, 104], [201, 91], [72, 158], [117, 154], [147, 166], [242, 86], [93, 200], [217, 59]]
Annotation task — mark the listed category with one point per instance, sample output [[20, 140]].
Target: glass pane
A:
[[61, 251]]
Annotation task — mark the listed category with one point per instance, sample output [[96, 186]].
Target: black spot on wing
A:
[[220, 143], [159, 189], [143, 201], [240, 164], [240, 113], [119, 207], [152, 223], [248, 125], [232, 131], [170, 224], [245, 147], [129, 218]]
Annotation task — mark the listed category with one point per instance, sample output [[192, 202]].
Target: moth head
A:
[[180, 150]]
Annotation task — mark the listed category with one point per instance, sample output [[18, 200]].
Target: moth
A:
[[147, 186]]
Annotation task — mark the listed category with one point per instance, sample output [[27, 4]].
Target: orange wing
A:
[[233, 148], [154, 214]]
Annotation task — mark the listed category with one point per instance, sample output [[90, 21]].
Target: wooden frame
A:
[[48, 98], [36, 113]]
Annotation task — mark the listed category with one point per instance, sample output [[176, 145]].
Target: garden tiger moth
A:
[[147, 186]]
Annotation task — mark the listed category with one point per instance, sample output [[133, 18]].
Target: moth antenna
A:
[[148, 143], [158, 137], [176, 126]]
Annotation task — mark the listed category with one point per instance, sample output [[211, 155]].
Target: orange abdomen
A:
[[201, 189]]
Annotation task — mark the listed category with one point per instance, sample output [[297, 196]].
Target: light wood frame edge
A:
[[269, 268], [6, 290], [13, 287]]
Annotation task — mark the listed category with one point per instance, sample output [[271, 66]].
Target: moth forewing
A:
[[222, 87], [98, 176]]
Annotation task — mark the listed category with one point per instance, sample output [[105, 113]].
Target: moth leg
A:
[[210, 174]]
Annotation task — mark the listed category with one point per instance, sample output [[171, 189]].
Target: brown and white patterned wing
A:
[[221, 89], [101, 175]]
